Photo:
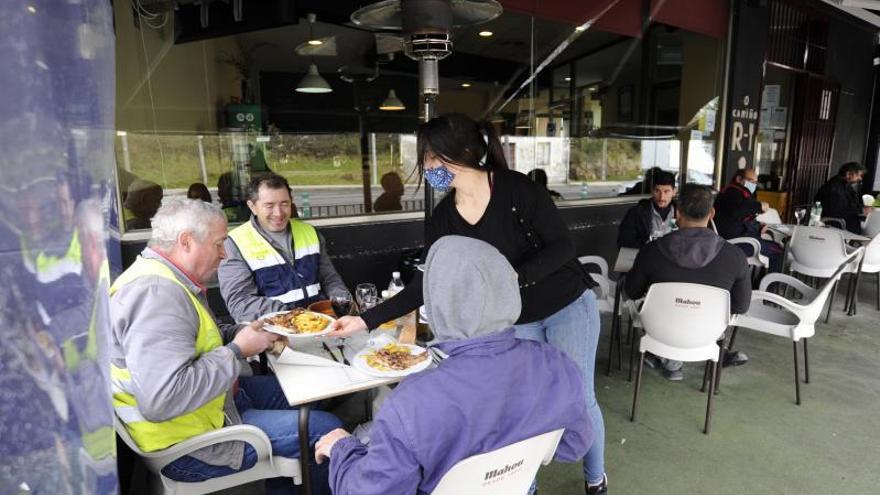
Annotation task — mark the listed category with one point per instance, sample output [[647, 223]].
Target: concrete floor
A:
[[761, 442]]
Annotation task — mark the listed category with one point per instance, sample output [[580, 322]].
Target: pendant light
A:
[[392, 103], [313, 82]]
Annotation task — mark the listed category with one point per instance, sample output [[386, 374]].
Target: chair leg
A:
[[619, 349], [705, 377], [831, 303], [797, 377], [715, 367], [732, 339], [878, 291], [806, 363], [629, 332], [615, 320], [635, 408], [716, 376], [632, 353]]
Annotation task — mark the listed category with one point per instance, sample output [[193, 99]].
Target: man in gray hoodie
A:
[[693, 254]]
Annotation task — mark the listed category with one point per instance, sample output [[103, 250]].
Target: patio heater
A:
[[427, 38]]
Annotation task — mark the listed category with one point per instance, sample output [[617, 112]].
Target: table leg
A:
[[305, 450]]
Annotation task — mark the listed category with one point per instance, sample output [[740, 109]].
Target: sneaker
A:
[[600, 488], [652, 361], [735, 358], [673, 375]]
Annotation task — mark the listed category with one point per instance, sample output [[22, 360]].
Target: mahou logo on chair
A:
[[685, 302]]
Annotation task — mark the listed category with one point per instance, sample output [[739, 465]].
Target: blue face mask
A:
[[440, 178], [751, 186]]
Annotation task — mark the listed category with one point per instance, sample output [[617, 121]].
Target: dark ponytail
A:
[[456, 138]]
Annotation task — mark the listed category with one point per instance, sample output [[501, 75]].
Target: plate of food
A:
[[298, 324], [392, 360]]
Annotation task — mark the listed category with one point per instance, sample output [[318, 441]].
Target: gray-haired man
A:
[[173, 377]]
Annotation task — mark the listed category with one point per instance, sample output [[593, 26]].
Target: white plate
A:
[[297, 336], [360, 362]]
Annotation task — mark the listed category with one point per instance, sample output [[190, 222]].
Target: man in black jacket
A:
[[650, 218], [840, 196], [736, 209], [693, 254]]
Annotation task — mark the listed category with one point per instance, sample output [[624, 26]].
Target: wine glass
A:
[[341, 304], [799, 214], [367, 296]]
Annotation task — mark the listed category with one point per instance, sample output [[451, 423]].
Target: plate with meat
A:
[[298, 324], [392, 360]]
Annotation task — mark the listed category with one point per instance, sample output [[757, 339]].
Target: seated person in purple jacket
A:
[[493, 389]]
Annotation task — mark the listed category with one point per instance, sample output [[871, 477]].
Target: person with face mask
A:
[[841, 196], [735, 212], [489, 202]]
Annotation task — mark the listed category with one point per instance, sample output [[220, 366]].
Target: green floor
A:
[[761, 442]]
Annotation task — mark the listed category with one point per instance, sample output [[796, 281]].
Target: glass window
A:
[[334, 108]]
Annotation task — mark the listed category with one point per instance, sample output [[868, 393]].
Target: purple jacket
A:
[[492, 391]]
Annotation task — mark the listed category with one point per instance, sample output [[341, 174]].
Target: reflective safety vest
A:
[[275, 277], [150, 436], [48, 268]]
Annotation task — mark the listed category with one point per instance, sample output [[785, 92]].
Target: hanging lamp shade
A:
[[313, 82], [392, 103]]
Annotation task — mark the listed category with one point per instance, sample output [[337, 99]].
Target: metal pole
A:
[[364, 148], [374, 162], [430, 87], [126, 157], [201, 142]]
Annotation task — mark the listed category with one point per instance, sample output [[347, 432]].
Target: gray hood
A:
[[470, 289], [691, 247]]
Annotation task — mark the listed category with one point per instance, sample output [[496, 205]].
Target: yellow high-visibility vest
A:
[[150, 436]]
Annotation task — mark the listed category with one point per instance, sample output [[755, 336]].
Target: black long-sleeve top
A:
[[522, 222], [839, 200], [735, 211]]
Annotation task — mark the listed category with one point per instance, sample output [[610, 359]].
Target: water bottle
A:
[[396, 284], [306, 206], [584, 190], [816, 215]]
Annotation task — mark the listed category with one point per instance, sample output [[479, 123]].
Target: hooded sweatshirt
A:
[[493, 389], [693, 255]]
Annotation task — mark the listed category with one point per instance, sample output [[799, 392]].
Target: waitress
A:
[[502, 207]]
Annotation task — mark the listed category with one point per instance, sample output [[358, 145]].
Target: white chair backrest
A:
[[685, 316], [770, 217], [596, 260], [505, 471], [818, 247], [872, 224], [872, 252]]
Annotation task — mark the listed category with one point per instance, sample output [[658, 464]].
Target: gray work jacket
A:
[[154, 327], [239, 289]]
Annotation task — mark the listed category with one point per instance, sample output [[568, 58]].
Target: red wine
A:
[[341, 308]]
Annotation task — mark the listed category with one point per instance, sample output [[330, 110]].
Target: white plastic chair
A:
[[505, 471], [606, 287], [818, 252], [683, 322], [757, 260], [872, 224], [267, 466], [870, 264], [776, 315]]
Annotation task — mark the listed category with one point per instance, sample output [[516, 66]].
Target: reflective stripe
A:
[[57, 270], [129, 414], [313, 290], [266, 262], [299, 252], [290, 296]]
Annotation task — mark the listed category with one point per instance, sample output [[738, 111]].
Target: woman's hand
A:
[[347, 326], [325, 445]]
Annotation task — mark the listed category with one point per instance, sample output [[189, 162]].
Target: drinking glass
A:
[[341, 304], [799, 214], [367, 296]]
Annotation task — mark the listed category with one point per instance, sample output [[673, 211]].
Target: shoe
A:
[[673, 375], [735, 358], [600, 488], [652, 361]]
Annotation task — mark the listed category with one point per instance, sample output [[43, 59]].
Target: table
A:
[[304, 384], [622, 265]]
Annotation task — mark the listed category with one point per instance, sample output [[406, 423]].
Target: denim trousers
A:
[[261, 403], [574, 330]]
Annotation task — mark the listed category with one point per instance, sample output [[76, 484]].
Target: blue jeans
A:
[[261, 403], [574, 330]]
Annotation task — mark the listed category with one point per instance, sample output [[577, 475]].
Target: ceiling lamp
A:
[[486, 34], [392, 103], [313, 82]]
